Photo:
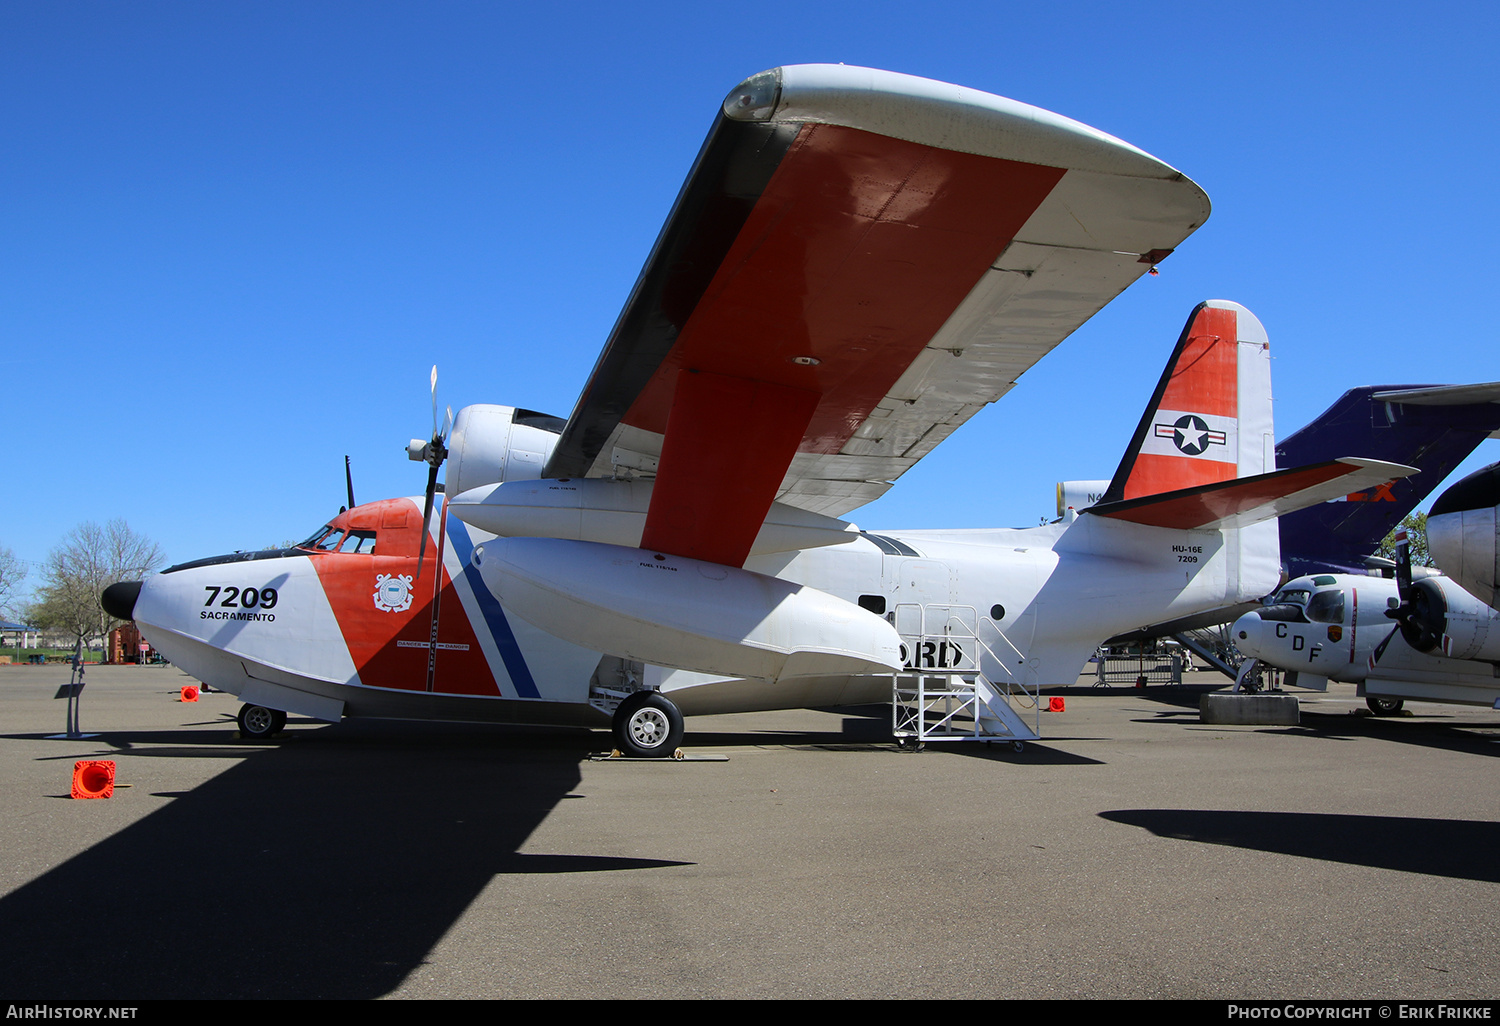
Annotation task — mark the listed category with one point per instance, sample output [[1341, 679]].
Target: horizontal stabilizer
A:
[[1442, 395], [1250, 500]]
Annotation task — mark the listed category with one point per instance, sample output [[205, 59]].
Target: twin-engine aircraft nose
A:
[[1246, 633], [118, 600]]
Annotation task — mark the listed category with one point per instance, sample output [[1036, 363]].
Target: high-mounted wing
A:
[[858, 262]]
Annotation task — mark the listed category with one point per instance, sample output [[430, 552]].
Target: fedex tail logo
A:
[[1380, 493]]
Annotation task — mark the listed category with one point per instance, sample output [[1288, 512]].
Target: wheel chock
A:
[[678, 755], [189, 693], [94, 778]]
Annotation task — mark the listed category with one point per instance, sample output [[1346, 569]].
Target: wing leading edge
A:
[[858, 262]]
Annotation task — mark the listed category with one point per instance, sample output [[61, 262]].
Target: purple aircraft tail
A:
[[1431, 427]]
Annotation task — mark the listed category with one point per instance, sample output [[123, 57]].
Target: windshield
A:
[[1292, 596], [311, 540]]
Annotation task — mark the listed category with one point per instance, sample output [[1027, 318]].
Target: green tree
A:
[[1416, 540], [12, 573], [90, 559]]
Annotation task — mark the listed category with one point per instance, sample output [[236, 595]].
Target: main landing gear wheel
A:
[[257, 722], [648, 726], [1385, 706]]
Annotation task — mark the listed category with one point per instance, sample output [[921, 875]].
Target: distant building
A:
[[16, 635], [127, 646]]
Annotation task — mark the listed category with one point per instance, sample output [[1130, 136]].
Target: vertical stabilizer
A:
[[1209, 419]]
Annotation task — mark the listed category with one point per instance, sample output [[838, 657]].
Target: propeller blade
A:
[[426, 517], [435, 452], [1380, 648], [1403, 566]]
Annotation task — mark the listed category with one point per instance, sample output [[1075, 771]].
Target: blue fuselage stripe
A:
[[494, 616]]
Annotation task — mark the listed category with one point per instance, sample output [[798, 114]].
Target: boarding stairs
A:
[[957, 683]]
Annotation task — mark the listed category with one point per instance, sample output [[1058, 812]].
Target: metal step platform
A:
[[944, 693]]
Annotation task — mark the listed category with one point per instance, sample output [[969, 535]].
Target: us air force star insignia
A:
[[393, 593], [1191, 434]]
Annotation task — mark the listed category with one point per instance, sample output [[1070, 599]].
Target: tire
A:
[[257, 722], [1385, 706], [648, 726]]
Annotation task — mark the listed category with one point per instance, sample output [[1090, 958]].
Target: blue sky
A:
[[238, 235]]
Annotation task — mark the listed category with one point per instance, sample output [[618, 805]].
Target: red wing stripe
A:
[[857, 253], [727, 447]]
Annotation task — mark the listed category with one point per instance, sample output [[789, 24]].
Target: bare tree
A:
[[90, 559], [12, 573]]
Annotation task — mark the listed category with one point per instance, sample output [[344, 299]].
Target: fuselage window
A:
[[360, 542], [874, 603], [1326, 607]]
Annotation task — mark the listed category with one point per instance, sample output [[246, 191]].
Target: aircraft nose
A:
[[118, 600], [1246, 634]]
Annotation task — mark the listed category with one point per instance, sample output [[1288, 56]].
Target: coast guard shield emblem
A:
[[393, 593]]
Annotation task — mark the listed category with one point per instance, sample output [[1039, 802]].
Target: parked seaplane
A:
[[858, 262]]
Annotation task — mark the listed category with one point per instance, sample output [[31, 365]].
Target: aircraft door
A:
[[933, 631]]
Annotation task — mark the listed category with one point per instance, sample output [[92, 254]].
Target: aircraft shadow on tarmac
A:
[[322, 867], [1426, 729], [1463, 849], [1429, 729]]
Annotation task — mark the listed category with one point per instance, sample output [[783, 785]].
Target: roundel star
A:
[[1190, 434]]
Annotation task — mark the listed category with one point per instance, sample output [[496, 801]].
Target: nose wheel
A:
[[647, 726], [257, 722]]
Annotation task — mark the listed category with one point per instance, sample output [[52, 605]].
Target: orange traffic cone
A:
[[94, 779], [190, 693], [1055, 704]]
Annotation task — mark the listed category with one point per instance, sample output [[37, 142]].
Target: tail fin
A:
[[1431, 427], [1210, 417]]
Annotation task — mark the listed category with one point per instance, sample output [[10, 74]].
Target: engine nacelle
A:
[[1078, 494], [491, 444], [1463, 533], [1448, 621], [614, 513]]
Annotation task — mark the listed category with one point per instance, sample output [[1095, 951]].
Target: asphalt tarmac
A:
[[1133, 853]]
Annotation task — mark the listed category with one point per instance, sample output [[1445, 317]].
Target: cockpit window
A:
[[1293, 596], [361, 542], [1326, 607], [330, 541], [313, 538]]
